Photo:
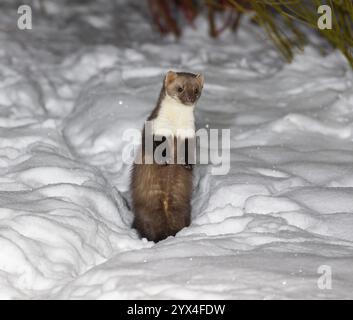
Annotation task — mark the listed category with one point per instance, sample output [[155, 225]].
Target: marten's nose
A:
[[189, 98]]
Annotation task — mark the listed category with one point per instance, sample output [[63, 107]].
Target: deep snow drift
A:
[[72, 85]]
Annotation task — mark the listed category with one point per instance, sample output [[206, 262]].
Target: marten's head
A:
[[184, 87]]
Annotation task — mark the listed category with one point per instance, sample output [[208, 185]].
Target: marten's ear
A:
[[170, 77], [201, 79]]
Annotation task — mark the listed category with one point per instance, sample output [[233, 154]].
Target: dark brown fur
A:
[[161, 199], [161, 193]]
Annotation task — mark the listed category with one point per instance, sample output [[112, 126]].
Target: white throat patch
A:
[[174, 118]]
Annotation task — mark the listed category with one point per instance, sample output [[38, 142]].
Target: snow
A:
[[86, 73]]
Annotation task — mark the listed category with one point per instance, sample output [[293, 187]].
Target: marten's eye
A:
[[196, 91], [180, 89]]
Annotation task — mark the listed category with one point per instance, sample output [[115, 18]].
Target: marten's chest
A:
[[174, 119]]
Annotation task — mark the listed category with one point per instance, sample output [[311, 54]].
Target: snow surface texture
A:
[[84, 74]]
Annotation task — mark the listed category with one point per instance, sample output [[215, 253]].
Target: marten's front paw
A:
[[188, 166]]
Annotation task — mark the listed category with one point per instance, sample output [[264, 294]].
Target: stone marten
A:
[[161, 191]]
